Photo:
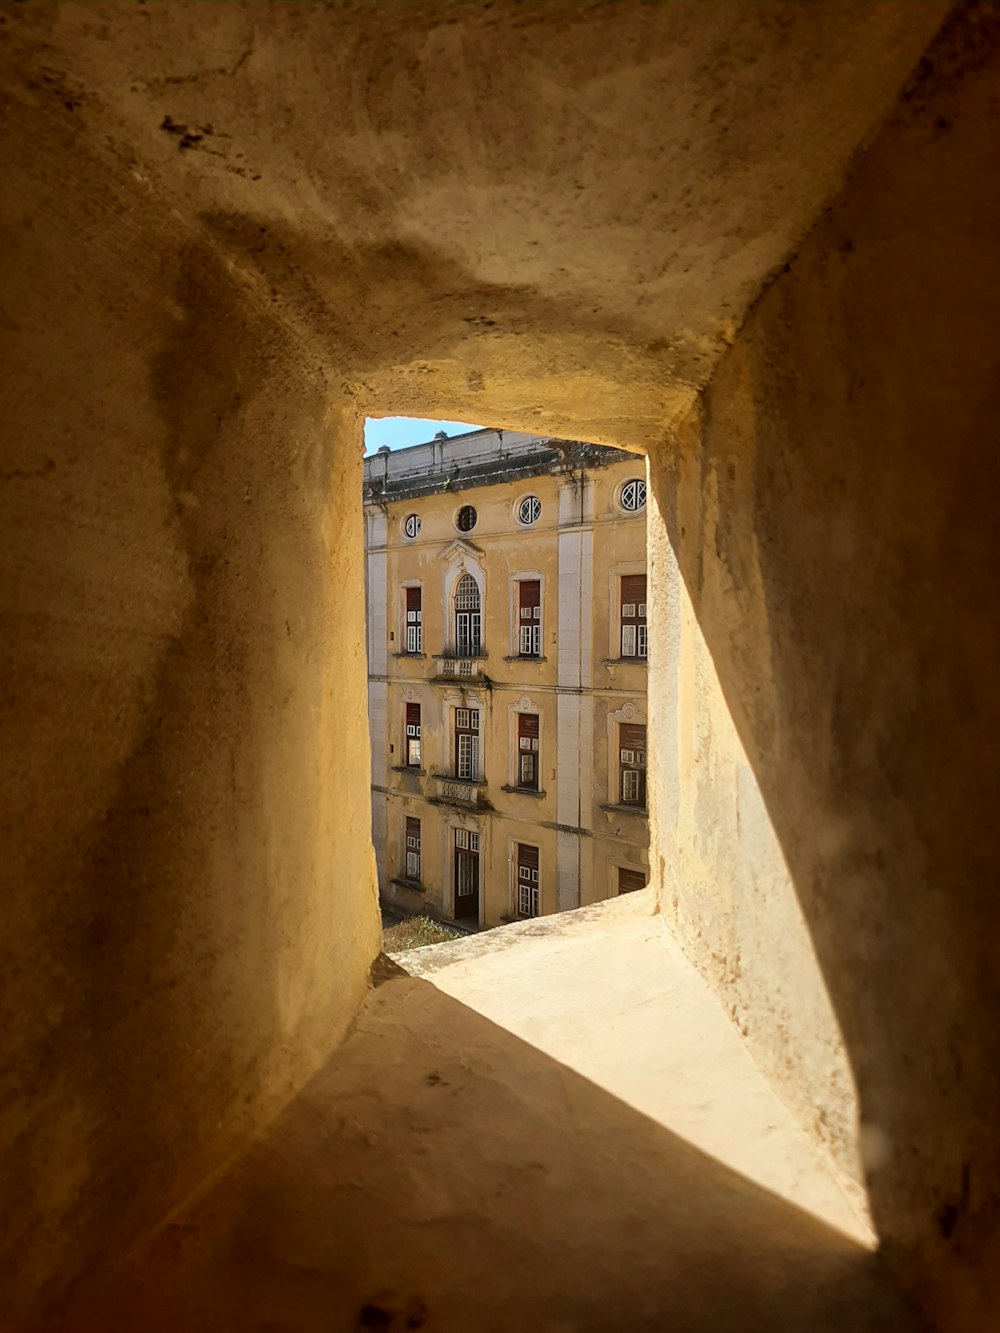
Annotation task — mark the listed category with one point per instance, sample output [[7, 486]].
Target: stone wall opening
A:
[[197, 310]]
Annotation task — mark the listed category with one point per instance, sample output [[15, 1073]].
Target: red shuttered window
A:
[[633, 615], [467, 743], [632, 765], [529, 618], [412, 736], [527, 750], [414, 621], [413, 849], [528, 887]]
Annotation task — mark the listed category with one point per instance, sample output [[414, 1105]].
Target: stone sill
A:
[[626, 661], [405, 768], [466, 782], [411, 884], [525, 657], [482, 655], [417, 657], [523, 791], [639, 810]]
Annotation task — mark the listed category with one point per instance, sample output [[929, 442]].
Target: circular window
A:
[[465, 520], [529, 510], [411, 525], [633, 496]]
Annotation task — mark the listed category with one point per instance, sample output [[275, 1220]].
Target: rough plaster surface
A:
[[832, 510], [438, 191], [455, 1169], [187, 886], [227, 230], [540, 979], [725, 886]]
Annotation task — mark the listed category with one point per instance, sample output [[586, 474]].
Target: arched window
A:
[[468, 617]]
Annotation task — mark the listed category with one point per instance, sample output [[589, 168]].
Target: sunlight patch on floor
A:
[[608, 992]]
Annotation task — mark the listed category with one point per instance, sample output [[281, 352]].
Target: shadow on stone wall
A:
[[441, 1173]]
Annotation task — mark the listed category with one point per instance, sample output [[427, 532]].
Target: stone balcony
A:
[[451, 667], [460, 791]]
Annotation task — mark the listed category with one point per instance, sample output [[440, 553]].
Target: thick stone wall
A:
[[827, 757], [221, 221], [187, 880]]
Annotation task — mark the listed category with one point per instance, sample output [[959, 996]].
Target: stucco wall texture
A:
[[230, 230], [187, 879], [830, 506]]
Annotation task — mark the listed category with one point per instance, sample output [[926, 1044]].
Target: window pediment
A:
[[460, 548]]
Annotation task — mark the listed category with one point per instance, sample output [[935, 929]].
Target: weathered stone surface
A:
[[469, 1160], [227, 231], [824, 677]]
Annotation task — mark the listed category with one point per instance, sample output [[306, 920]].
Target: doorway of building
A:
[[466, 874]]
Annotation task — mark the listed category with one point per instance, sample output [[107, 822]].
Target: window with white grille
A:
[[468, 617], [632, 764], [527, 750], [633, 616], [529, 510], [414, 620], [528, 880], [633, 496], [529, 618], [411, 525], [412, 749], [412, 834], [467, 743]]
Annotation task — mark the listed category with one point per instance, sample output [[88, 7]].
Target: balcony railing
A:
[[461, 666], [468, 791]]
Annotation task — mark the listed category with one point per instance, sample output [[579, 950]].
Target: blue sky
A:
[[398, 432]]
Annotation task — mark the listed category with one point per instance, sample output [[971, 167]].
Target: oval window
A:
[[411, 525], [466, 519], [529, 510], [633, 497]]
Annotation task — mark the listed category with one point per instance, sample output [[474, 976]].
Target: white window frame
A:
[[452, 823], [406, 637], [524, 705], [412, 852], [530, 632], [413, 746], [468, 621], [533, 885], [467, 738], [632, 775], [616, 645], [459, 565], [631, 713], [535, 503], [632, 486]]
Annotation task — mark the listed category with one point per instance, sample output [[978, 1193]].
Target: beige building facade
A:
[[507, 644]]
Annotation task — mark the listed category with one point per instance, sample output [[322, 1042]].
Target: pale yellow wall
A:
[[188, 888], [509, 550]]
